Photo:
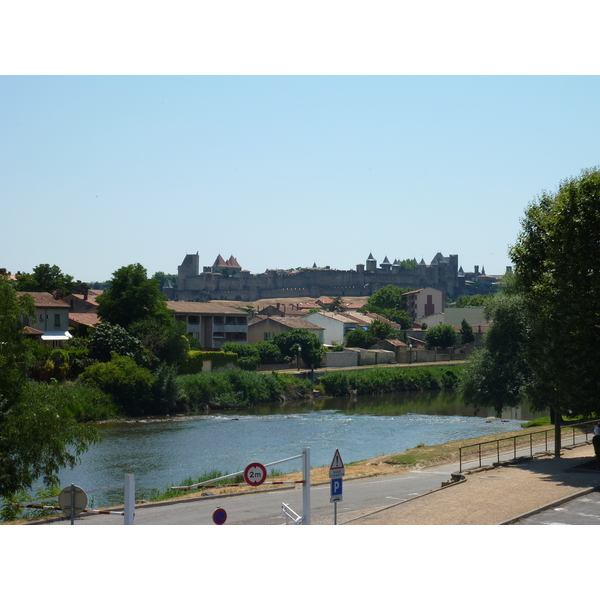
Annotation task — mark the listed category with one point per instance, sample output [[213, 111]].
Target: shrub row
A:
[[237, 389], [381, 381]]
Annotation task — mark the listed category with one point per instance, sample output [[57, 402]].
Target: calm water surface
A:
[[163, 452]]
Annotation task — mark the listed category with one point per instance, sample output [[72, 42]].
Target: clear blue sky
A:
[[284, 171]]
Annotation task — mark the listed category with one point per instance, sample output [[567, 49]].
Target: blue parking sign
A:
[[336, 490]]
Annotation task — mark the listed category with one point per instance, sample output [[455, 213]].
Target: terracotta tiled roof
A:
[[44, 299], [32, 330], [296, 323], [89, 319], [234, 264], [202, 308]]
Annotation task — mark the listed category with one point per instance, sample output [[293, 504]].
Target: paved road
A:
[[581, 511], [264, 508]]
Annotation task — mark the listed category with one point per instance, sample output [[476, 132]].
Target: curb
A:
[[550, 505]]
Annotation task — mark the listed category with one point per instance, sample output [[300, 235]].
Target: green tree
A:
[[389, 296], [46, 278], [497, 374], [110, 339], [132, 297], [466, 332], [360, 338], [441, 336], [37, 435], [130, 386], [311, 349], [556, 263], [164, 339], [382, 330]]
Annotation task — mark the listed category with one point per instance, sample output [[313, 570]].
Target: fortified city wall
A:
[[225, 280]]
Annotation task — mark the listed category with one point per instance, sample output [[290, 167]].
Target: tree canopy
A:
[[38, 435], [46, 278], [442, 336], [132, 296], [387, 302], [557, 267], [542, 345]]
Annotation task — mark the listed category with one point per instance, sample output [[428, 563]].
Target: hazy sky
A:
[[281, 171]]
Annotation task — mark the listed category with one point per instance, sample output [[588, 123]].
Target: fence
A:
[[520, 442]]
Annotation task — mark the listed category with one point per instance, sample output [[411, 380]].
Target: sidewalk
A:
[[496, 495]]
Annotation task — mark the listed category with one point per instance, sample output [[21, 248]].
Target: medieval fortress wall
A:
[[226, 280]]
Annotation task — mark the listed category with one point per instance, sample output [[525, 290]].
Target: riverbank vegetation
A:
[[383, 380]]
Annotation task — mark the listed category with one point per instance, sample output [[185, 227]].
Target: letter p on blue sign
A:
[[336, 490]]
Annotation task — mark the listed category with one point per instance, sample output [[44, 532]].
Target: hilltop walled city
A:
[[226, 280]]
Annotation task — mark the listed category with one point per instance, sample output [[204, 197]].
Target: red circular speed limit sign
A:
[[255, 474]]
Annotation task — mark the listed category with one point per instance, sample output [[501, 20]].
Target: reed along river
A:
[[162, 452]]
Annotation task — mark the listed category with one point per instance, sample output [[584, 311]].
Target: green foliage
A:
[[242, 350], [46, 278], [311, 349], [195, 359], [165, 340], [132, 297], [360, 338], [80, 401], [129, 385], [38, 437], [249, 363], [269, 353], [389, 296], [496, 375], [466, 301], [556, 260], [396, 316], [442, 336], [466, 332], [382, 330], [381, 381], [9, 513], [108, 339], [162, 278], [236, 389]]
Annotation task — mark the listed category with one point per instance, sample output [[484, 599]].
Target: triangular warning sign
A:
[[337, 463]]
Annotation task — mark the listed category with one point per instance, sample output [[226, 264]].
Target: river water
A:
[[163, 452]]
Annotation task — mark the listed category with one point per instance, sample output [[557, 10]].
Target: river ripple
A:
[[162, 452]]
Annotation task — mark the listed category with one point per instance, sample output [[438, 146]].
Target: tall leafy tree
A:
[[131, 297], [466, 332], [497, 374], [557, 266], [37, 434]]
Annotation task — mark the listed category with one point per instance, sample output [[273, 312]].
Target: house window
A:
[[193, 319], [57, 320], [218, 321], [268, 336]]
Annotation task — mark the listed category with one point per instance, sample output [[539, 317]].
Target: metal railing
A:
[[511, 446]]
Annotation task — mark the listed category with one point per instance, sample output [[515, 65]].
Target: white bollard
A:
[[129, 500]]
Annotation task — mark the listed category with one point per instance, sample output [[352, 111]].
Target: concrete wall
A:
[[340, 359]]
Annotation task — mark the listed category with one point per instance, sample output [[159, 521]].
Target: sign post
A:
[[336, 473], [72, 500]]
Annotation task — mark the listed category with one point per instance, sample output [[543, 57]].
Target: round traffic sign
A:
[[219, 516], [72, 498], [255, 474]]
